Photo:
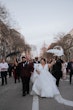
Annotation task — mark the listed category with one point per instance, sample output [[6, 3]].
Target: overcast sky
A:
[[41, 20]]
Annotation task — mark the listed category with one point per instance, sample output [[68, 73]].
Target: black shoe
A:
[[24, 94], [2, 84], [27, 92], [6, 83]]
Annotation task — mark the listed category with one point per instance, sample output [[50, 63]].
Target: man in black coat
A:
[[70, 69], [57, 71], [36, 61]]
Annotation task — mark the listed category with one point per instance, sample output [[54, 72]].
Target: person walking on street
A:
[[57, 71], [4, 69], [70, 69], [24, 70], [15, 71]]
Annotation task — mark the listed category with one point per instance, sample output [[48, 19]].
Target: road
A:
[[11, 98]]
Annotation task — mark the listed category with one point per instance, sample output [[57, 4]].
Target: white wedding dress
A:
[[44, 84]]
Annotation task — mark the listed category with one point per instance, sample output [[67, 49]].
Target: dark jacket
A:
[[25, 69], [56, 70], [69, 66], [22, 69], [30, 68]]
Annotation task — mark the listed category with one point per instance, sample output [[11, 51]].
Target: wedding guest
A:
[[70, 69], [64, 67], [15, 71], [4, 70], [57, 71]]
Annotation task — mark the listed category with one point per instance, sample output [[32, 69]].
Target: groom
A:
[[25, 68]]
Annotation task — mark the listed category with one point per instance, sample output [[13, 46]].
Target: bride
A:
[[44, 84]]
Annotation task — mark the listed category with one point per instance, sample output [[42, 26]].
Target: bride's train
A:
[[61, 100]]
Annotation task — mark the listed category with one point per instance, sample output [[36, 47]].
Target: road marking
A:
[[35, 103]]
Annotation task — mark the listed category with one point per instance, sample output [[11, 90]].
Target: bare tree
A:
[[5, 40], [66, 42], [10, 39], [4, 15], [17, 40]]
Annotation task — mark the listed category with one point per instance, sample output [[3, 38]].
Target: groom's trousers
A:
[[25, 85]]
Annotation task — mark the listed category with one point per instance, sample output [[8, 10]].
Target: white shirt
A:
[[3, 66]]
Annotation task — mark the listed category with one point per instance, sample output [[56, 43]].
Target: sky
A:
[[41, 20]]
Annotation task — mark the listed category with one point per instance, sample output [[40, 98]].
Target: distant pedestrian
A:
[[15, 71], [4, 70], [36, 60], [10, 69], [70, 69], [64, 67]]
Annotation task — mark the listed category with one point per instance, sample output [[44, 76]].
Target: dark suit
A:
[[70, 67], [56, 71], [37, 62], [25, 72]]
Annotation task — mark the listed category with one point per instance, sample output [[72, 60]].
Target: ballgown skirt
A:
[[44, 85]]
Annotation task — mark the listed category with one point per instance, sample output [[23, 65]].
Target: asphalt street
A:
[[11, 98]]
